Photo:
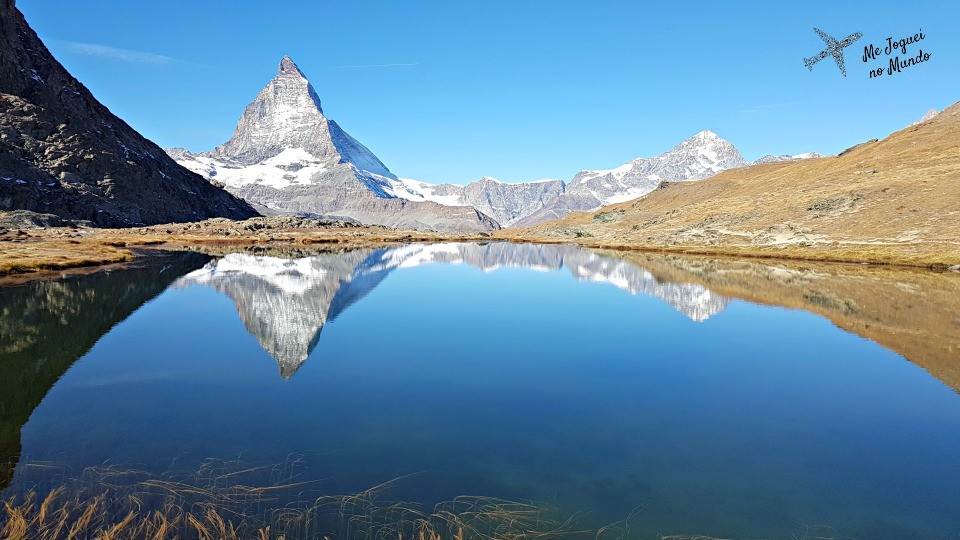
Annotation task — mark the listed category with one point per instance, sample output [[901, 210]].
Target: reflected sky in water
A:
[[549, 373], [285, 303]]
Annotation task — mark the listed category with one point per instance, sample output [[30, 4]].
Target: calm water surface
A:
[[545, 373]]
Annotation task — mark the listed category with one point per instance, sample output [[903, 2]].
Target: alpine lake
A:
[[571, 392]]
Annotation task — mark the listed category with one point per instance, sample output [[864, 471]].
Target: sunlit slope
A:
[[897, 198]]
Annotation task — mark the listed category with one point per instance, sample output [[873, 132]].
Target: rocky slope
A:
[[893, 199], [507, 203], [286, 155], [64, 153]]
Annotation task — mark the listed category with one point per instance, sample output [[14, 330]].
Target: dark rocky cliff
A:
[[62, 152]]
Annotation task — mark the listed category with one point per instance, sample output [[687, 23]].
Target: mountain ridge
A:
[[62, 152]]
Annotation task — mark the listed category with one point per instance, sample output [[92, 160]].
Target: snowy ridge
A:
[[770, 158], [285, 154], [505, 202], [699, 157]]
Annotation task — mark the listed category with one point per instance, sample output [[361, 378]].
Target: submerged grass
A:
[[214, 503]]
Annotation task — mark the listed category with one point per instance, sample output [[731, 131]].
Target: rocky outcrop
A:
[[287, 156], [63, 153]]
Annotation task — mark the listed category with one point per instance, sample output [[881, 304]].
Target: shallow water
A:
[[554, 374]]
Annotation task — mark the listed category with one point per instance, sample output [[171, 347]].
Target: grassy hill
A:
[[892, 200]]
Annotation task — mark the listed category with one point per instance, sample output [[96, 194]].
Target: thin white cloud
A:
[[380, 65], [115, 53], [762, 108]]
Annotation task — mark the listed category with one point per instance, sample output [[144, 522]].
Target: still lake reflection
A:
[[595, 382]]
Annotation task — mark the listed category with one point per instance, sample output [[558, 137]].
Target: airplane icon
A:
[[834, 48]]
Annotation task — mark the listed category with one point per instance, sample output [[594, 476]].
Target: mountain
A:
[[701, 156], [286, 155], [926, 116], [62, 152], [507, 203], [527, 203], [892, 200], [285, 303], [770, 158]]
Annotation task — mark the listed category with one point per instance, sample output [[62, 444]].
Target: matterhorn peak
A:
[[706, 135], [287, 66]]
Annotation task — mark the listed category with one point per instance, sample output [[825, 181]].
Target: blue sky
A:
[[517, 90]]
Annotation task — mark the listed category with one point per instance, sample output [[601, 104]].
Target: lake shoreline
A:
[[40, 252]]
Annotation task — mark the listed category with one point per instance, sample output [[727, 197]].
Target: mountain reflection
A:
[[45, 326], [284, 303]]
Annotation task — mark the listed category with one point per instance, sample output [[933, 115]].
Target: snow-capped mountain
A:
[[770, 158], [699, 157], [286, 155], [285, 303], [506, 203]]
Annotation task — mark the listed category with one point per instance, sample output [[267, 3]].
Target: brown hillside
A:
[[894, 200], [915, 313]]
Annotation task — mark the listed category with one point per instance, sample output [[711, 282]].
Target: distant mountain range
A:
[[770, 158], [287, 156], [63, 153], [285, 303]]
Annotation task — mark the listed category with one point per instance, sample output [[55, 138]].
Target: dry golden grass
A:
[[891, 201], [33, 252], [46, 249], [113, 503]]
